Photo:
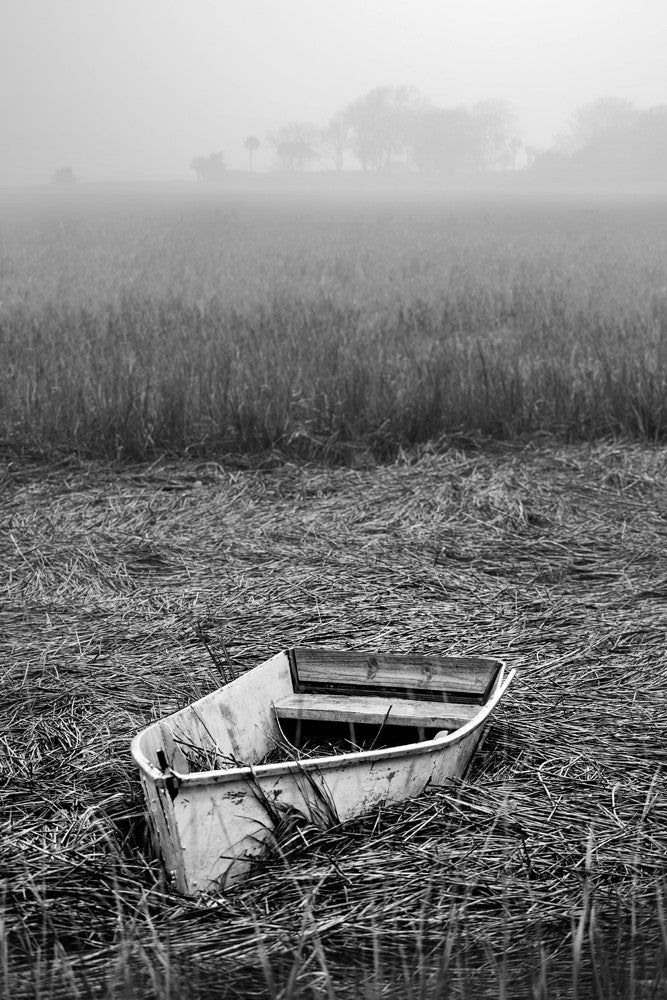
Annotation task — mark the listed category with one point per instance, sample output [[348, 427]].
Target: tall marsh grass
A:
[[131, 328]]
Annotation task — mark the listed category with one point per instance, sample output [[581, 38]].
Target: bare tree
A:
[[380, 125], [334, 141], [252, 145]]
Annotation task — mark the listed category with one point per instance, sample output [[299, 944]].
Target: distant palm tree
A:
[[251, 144]]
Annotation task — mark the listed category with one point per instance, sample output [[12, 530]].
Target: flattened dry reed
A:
[[542, 874]]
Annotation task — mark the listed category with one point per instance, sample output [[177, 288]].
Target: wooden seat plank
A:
[[469, 676], [376, 711]]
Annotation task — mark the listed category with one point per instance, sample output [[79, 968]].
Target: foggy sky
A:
[[133, 89]]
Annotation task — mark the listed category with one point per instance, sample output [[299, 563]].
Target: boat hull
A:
[[211, 824]]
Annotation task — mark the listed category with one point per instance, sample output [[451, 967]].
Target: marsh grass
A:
[[207, 328], [542, 875]]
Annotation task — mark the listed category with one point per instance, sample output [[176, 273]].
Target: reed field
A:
[[541, 875], [230, 425], [134, 325]]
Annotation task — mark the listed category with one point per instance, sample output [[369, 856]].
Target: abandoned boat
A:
[[214, 800]]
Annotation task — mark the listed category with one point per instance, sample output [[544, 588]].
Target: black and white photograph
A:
[[333, 500]]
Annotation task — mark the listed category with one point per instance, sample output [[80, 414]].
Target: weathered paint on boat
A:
[[209, 824]]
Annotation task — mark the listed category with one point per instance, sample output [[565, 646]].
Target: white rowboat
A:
[[212, 800]]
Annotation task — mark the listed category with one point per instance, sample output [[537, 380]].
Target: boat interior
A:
[[361, 701], [317, 702]]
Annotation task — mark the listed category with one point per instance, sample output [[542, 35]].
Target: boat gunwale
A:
[[318, 764]]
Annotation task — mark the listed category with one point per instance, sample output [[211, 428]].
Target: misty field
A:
[[134, 325], [231, 424]]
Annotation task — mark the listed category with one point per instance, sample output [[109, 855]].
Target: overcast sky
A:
[[133, 89]]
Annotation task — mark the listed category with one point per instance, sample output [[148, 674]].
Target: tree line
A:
[[609, 139], [390, 129], [396, 129]]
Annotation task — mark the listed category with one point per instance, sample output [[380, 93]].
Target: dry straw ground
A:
[[540, 876]]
